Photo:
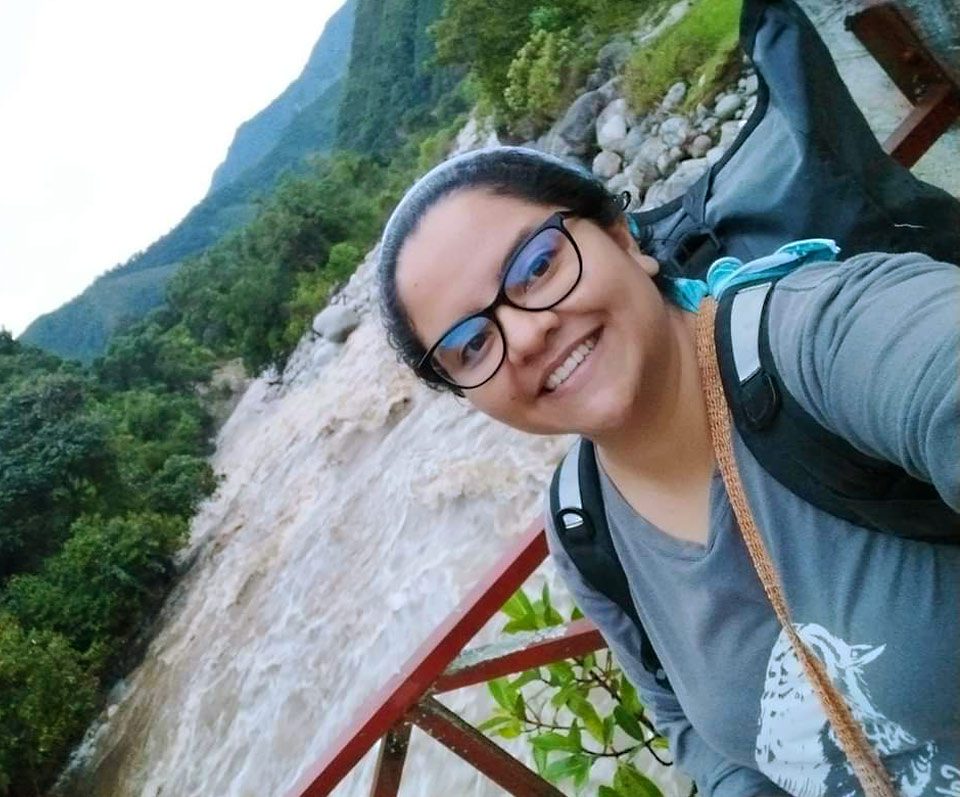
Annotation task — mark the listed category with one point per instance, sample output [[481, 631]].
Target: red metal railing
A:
[[438, 665], [407, 699]]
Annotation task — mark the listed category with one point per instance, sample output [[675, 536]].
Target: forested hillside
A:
[[299, 123]]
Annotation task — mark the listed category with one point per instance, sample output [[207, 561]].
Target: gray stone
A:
[[613, 55], [335, 323], [654, 197], [675, 130], [729, 132], [748, 108], [700, 113], [727, 105], [738, 114], [642, 173], [709, 124], [714, 154], [699, 146], [617, 183], [651, 149], [685, 175], [606, 164], [674, 96], [576, 126], [667, 161], [612, 124], [594, 80], [750, 84], [612, 89], [633, 142]]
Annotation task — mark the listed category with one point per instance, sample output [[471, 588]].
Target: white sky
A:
[[113, 116]]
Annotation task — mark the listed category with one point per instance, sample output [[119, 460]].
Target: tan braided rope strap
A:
[[867, 766]]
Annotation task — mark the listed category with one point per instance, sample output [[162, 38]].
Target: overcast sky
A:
[[113, 116]]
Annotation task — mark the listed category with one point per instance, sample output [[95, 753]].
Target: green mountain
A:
[[299, 123]]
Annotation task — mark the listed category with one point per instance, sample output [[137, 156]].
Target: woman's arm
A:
[[878, 358], [715, 776]]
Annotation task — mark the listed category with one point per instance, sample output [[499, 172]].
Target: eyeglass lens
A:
[[542, 273]]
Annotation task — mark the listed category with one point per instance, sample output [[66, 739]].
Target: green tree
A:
[[46, 699], [54, 460]]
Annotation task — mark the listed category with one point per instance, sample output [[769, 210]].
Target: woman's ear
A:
[[620, 232]]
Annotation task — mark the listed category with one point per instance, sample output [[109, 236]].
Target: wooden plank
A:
[[389, 704], [480, 752], [521, 652], [390, 760]]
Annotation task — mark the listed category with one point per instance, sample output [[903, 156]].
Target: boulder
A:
[[335, 323], [729, 132], [651, 149], [606, 164], [750, 84], [612, 125], [699, 146], [617, 183], [674, 96], [642, 173], [727, 105], [668, 160], [576, 127], [633, 142], [613, 55], [684, 176], [675, 130], [714, 154]]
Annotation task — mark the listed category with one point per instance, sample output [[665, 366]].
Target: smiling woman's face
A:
[[449, 267]]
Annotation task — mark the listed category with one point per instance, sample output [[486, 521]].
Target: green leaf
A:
[[589, 661], [495, 722], [574, 736], [520, 707], [576, 614], [512, 729], [528, 623], [524, 678], [562, 670], [660, 743], [518, 606], [562, 697], [630, 782], [608, 726], [540, 759], [629, 723], [628, 697], [553, 741], [583, 708], [565, 767], [502, 692], [606, 791]]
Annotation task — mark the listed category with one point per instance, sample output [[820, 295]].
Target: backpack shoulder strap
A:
[[576, 505], [812, 462]]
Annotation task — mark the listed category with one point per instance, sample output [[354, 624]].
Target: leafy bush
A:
[[542, 77], [574, 712], [693, 50], [107, 579], [46, 699]]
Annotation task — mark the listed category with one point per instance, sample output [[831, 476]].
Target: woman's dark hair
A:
[[505, 171]]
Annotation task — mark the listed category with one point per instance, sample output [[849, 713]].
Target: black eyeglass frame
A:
[[555, 221]]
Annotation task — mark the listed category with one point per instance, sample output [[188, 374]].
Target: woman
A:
[[513, 279]]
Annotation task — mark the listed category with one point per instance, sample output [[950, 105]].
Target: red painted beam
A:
[[385, 708], [928, 120], [390, 760], [478, 751], [521, 652]]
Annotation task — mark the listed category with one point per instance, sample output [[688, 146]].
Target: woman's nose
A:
[[527, 332]]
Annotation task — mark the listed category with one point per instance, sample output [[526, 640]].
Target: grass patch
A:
[[700, 49]]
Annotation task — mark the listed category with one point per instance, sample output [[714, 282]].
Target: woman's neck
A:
[[667, 441]]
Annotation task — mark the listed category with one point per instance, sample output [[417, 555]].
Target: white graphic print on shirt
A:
[[797, 749]]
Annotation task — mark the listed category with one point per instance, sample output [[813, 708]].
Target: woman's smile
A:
[[574, 369]]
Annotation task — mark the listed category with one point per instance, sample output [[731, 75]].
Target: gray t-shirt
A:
[[871, 348]]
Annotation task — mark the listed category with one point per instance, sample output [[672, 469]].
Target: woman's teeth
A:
[[577, 356]]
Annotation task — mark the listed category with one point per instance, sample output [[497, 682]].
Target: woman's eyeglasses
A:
[[542, 271]]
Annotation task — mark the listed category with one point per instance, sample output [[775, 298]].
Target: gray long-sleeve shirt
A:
[[871, 348]]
